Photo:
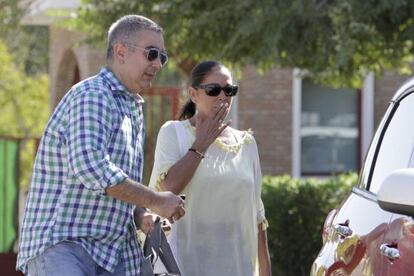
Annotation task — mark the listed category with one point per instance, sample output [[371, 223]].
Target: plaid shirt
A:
[[93, 140]]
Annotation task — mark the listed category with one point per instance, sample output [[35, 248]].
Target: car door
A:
[[357, 229], [355, 233], [397, 152], [397, 248], [361, 238]]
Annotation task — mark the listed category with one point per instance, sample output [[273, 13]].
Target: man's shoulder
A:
[[96, 83], [94, 86]]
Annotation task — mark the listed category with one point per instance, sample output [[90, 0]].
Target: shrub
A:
[[296, 210]]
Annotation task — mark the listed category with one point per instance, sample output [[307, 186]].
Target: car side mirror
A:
[[396, 192]]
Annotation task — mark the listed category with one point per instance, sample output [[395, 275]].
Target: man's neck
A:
[[118, 72]]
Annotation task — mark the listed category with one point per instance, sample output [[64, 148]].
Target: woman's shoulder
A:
[[174, 126], [173, 123], [168, 127]]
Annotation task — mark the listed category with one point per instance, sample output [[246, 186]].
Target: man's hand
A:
[[168, 205]]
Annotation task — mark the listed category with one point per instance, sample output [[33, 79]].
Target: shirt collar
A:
[[115, 85]]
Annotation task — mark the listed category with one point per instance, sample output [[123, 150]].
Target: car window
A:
[[396, 150]]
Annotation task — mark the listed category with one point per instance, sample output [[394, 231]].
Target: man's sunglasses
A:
[[152, 53], [214, 89]]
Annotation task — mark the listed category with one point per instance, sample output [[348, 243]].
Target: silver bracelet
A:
[[200, 154]]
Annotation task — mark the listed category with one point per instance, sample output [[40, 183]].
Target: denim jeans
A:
[[68, 259]]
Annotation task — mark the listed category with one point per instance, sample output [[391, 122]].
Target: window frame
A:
[[365, 177], [365, 122]]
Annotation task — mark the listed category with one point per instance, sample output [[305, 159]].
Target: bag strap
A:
[[156, 248]]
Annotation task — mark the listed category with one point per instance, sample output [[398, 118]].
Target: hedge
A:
[[296, 210]]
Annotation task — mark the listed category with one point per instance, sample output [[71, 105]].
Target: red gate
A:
[[161, 105]]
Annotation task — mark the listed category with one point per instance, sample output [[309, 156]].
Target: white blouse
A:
[[218, 234]]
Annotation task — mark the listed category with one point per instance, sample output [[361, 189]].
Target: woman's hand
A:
[[210, 128], [265, 267], [144, 220]]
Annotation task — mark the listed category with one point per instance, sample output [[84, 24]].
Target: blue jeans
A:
[[68, 259]]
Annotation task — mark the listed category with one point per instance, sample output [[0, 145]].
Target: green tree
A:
[[30, 44], [11, 11], [23, 107], [336, 41], [23, 99], [23, 82]]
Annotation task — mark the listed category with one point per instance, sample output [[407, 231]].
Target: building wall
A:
[[68, 56], [265, 106], [385, 87]]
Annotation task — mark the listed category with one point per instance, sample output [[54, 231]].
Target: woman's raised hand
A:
[[208, 129]]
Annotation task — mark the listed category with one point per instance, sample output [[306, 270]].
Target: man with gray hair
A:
[[86, 190]]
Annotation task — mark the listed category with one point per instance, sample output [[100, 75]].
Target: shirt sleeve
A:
[[261, 218], [88, 133], [167, 153]]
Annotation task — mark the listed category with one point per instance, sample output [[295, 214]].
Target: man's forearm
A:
[[132, 192], [165, 204]]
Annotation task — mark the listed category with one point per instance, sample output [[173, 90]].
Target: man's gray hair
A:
[[126, 27]]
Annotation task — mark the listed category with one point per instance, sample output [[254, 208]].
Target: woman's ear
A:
[[192, 93]]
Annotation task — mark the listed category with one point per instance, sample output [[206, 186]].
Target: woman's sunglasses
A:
[[214, 89], [152, 53]]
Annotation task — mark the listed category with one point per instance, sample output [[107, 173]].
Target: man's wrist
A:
[[153, 200]]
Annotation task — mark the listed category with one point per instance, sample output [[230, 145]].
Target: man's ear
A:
[[192, 93], [120, 52]]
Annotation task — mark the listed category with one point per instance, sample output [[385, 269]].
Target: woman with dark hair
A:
[[217, 167]]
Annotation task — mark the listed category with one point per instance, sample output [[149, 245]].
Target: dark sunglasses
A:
[[214, 89], [152, 53]]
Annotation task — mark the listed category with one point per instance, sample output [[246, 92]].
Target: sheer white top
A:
[[218, 234]]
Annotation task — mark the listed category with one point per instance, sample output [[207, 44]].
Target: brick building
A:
[[303, 129]]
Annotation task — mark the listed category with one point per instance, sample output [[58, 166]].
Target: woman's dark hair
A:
[[198, 74]]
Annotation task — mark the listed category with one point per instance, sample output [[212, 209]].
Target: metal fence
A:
[[9, 189]]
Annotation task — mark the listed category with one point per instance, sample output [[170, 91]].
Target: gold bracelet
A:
[[200, 154]]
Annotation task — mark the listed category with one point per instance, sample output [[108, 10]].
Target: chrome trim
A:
[[343, 230], [389, 252], [405, 89], [379, 136], [365, 194]]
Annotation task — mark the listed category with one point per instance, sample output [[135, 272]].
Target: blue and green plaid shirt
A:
[[93, 140]]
